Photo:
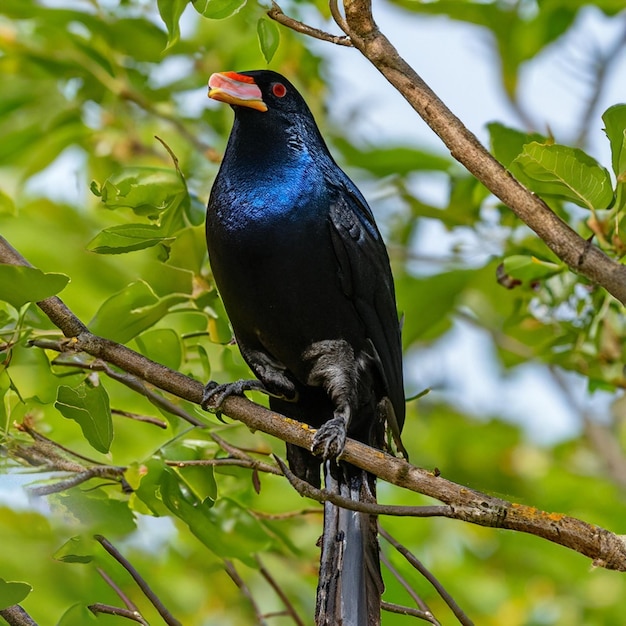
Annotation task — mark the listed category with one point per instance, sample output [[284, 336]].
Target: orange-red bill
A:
[[234, 88]]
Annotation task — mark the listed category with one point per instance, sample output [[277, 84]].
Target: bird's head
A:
[[262, 91], [272, 121]]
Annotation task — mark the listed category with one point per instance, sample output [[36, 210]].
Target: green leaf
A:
[[20, 284], [218, 9], [269, 37], [29, 371], [391, 161], [170, 12], [7, 206], [75, 550], [507, 143], [127, 238], [12, 592], [201, 481], [93, 511], [529, 268], [162, 345], [131, 311], [189, 250], [196, 211], [240, 537], [148, 191], [566, 173], [88, 405], [147, 496], [166, 279], [615, 128], [427, 303]]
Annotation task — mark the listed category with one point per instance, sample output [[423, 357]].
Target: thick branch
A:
[[605, 548], [579, 254]]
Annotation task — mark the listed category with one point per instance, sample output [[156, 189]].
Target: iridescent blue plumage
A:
[[305, 279]]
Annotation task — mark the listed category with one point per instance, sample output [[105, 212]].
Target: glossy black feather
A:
[[305, 279]]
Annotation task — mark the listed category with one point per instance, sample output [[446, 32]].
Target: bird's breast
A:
[[289, 197]]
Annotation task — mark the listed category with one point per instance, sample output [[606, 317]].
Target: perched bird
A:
[[304, 275]]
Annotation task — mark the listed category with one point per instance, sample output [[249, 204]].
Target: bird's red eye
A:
[[279, 90]]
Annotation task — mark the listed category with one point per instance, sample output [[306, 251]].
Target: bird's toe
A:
[[330, 439], [215, 394]]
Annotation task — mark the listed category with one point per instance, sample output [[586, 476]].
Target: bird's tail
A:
[[350, 583]]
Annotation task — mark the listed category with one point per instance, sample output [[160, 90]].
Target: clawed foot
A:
[[214, 394], [330, 439]]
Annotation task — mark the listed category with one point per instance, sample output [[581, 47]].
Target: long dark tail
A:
[[350, 583]]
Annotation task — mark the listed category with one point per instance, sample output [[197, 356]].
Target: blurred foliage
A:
[[90, 84]]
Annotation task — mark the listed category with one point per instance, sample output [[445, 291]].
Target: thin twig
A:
[[419, 566], [26, 426], [250, 464], [307, 490], [123, 597], [289, 608], [405, 610], [102, 471], [44, 453], [168, 618], [405, 583], [276, 13], [284, 516], [234, 575], [107, 609], [148, 419], [338, 17]]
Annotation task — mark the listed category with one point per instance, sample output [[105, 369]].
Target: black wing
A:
[[366, 279]]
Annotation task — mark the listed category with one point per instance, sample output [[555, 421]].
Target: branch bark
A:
[[16, 616], [605, 548], [579, 254]]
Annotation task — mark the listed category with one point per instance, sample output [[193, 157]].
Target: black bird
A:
[[304, 275]]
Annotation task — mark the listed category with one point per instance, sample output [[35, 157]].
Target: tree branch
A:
[[289, 608], [168, 618], [604, 547], [130, 605], [407, 587], [580, 255], [16, 616], [276, 13], [427, 574], [405, 610], [306, 490], [107, 609], [238, 580]]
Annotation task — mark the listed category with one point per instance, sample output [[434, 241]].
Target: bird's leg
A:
[[335, 368]]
